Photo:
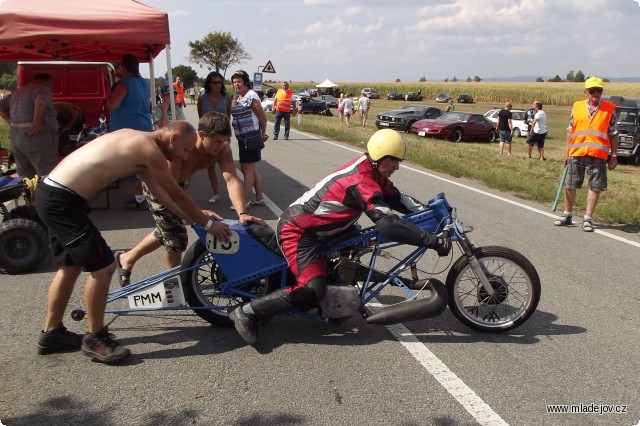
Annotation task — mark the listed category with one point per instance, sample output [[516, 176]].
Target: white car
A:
[[520, 128], [267, 104]]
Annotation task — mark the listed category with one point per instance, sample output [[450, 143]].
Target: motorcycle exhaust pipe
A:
[[414, 310]]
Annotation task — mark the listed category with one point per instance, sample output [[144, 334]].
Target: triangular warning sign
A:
[[269, 67]]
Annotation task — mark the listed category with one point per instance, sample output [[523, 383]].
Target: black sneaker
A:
[[133, 205], [102, 347], [246, 325], [275, 137], [58, 340]]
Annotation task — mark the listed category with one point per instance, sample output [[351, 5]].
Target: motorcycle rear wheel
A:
[[202, 286], [514, 279]]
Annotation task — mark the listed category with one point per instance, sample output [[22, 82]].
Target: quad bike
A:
[[23, 237], [488, 288]]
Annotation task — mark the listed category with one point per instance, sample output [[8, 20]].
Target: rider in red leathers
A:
[[330, 208]]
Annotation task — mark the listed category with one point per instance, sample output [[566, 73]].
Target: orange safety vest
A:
[[590, 136], [283, 100], [179, 98]]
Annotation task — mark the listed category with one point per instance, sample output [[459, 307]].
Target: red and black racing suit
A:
[[332, 207]]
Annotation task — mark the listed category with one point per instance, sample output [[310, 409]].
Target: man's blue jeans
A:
[[287, 123]]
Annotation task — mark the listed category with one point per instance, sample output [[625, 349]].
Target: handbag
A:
[[251, 141]]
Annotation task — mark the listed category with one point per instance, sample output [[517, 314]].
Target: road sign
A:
[[269, 68], [257, 81]]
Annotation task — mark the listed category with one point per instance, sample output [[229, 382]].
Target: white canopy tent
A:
[[326, 84]]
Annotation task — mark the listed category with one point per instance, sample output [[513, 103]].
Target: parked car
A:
[[310, 105], [628, 113], [395, 96], [312, 92], [371, 93], [465, 98], [267, 104], [414, 96], [456, 126], [330, 100], [520, 127], [444, 97], [403, 118]]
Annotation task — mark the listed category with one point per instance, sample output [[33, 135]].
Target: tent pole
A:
[[152, 81], [170, 82]]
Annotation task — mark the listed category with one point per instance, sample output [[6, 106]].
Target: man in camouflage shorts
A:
[[214, 131]]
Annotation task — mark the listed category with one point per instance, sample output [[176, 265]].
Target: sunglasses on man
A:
[[595, 90]]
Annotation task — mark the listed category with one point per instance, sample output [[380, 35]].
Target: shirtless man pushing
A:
[[76, 244]]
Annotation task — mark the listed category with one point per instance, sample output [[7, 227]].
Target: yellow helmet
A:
[[593, 82], [386, 142]]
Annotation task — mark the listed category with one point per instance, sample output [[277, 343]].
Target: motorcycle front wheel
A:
[[202, 286], [516, 287]]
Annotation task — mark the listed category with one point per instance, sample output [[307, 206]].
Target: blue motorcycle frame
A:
[[489, 288]]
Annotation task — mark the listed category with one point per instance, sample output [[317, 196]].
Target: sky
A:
[[385, 40]]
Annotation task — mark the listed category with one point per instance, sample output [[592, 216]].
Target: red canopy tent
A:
[[80, 30]]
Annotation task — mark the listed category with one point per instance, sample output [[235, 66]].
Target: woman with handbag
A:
[[250, 127]]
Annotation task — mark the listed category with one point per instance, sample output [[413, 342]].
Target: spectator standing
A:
[[505, 128], [248, 118], [179, 99], [214, 131], [592, 148], [528, 117], [130, 106], [33, 129], [331, 209], [364, 104], [450, 107], [347, 104], [282, 108], [217, 99], [341, 108], [76, 243], [356, 105], [192, 94], [538, 132]]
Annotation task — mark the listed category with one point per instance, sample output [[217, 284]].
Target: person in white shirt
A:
[[364, 104], [538, 131]]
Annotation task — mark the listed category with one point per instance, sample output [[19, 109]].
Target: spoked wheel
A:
[[23, 245], [516, 290], [202, 286]]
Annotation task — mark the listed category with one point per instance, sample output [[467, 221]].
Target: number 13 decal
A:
[[216, 246]]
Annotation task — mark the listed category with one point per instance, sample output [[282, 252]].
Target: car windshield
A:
[[517, 115], [627, 117], [455, 116]]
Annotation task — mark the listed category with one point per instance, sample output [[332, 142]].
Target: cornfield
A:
[[559, 94]]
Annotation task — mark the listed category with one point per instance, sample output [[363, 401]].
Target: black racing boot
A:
[[264, 308], [273, 303]]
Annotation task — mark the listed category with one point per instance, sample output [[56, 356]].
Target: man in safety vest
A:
[[282, 108], [592, 146]]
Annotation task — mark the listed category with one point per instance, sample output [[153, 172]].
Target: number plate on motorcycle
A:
[[216, 246]]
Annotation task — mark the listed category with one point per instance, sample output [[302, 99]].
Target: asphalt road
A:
[[580, 347]]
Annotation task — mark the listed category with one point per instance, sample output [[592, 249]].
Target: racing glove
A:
[[439, 243]]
